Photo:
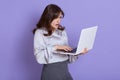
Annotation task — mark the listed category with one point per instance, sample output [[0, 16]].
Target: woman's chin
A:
[[56, 27]]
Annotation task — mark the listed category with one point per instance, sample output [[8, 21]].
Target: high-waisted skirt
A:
[[56, 71]]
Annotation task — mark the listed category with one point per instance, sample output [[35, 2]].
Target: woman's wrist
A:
[[56, 47]]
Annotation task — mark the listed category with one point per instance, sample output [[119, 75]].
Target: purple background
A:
[[19, 17]]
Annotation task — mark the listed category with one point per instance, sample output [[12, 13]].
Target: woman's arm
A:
[[41, 51]]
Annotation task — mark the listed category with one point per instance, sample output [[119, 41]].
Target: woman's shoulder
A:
[[41, 31], [64, 31]]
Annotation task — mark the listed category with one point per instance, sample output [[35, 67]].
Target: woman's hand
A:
[[85, 50], [63, 48]]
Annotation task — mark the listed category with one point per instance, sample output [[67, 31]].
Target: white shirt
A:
[[44, 47]]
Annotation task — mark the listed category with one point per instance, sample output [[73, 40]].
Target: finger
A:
[[66, 49], [85, 50], [69, 49]]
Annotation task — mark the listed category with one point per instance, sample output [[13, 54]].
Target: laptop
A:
[[86, 40]]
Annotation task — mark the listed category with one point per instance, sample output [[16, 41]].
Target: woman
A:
[[50, 39]]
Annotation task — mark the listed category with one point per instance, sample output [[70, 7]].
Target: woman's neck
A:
[[53, 30]]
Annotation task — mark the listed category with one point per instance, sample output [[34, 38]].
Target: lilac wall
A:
[[19, 17]]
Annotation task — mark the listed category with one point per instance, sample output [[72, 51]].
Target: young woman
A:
[[50, 39]]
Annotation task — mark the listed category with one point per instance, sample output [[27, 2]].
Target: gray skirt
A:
[[56, 71]]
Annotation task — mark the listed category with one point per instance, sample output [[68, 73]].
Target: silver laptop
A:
[[86, 40]]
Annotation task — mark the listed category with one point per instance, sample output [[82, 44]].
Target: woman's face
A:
[[56, 22]]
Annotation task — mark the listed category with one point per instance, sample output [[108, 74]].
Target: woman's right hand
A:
[[62, 47], [85, 50]]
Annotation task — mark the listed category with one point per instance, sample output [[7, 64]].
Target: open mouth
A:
[[56, 25]]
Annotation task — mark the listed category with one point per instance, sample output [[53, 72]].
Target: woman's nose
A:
[[58, 20]]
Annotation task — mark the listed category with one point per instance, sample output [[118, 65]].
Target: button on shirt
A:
[[44, 47]]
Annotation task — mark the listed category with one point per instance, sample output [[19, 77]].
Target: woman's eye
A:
[[61, 16]]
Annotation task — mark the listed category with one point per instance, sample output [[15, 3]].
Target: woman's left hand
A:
[[85, 50]]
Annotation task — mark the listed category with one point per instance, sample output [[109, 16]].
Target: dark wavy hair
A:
[[51, 12]]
